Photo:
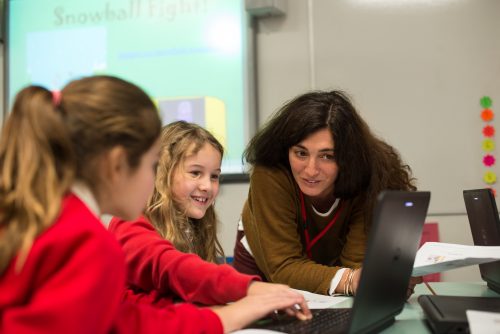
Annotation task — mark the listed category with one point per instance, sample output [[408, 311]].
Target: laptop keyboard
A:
[[331, 320]]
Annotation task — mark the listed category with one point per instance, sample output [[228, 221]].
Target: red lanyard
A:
[[309, 243]]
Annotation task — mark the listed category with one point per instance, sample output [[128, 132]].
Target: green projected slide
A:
[[189, 55]]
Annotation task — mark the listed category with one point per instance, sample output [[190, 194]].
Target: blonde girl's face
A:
[[196, 181]]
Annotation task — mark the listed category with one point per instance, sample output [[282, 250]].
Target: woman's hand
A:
[[355, 279], [253, 307], [349, 283], [411, 287]]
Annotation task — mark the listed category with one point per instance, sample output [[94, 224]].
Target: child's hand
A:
[[247, 310], [259, 288]]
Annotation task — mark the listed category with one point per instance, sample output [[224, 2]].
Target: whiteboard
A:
[[191, 57], [416, 71]]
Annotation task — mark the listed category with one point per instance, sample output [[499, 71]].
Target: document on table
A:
[[481, 322], [435, 257], [316, 301]]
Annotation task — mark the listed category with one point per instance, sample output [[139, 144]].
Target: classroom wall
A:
[[414, 69]]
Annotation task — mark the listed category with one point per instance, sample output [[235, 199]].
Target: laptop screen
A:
[[398, 221], [485, 227]]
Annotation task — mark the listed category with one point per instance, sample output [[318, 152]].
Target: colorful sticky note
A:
[[487, 115], [488, 145], [489, 131], [488, 160], [486, 102], [490, 177]]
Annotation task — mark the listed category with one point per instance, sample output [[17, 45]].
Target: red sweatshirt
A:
[[72, 282], [158, 273]]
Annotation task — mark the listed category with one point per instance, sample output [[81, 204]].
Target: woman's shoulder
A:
[[273, 185], [268, 175], [269, 170]]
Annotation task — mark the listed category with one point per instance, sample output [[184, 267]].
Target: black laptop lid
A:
[[446, 314], [485, 227], [393, 242]]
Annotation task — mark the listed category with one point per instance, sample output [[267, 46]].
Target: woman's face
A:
[[196, 183], [313, 164]]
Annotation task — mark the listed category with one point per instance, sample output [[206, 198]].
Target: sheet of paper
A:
[[483, 322], [434, 257], [316, 301]]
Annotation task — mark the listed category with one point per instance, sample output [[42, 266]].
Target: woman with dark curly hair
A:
[[316, 172]]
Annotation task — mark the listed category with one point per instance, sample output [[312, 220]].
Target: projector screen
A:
[[190, 56]]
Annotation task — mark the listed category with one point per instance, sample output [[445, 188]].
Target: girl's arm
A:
[[155, 265]]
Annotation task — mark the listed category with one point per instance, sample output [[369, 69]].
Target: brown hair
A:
[[367, 164], [178, 141], [47, 143]]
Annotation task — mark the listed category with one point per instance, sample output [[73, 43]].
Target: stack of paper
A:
[[435, 257]]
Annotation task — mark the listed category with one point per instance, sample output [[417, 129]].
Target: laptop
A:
[[397, 225], [485, 227], [446, 314]]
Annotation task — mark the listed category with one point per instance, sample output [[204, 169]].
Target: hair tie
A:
[[56, 97]]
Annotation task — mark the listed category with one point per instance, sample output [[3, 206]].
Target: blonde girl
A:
[[167, 251], [187, 217]]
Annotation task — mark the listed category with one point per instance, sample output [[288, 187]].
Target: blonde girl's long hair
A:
[[49, 142], [178, 141]]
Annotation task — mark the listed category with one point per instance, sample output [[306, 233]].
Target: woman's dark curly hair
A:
[[367, 165]]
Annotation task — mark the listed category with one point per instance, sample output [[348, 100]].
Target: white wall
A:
[[415, 70], [229, 204]]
